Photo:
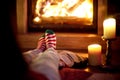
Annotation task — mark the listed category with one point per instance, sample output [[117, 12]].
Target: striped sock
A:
[[41, 43], [50, 39]]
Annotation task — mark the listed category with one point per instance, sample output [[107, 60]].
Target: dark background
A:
[[114, 10]]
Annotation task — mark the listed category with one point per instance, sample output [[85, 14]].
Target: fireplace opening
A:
[[62, 15]]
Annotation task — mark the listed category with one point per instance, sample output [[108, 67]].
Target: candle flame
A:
[[109, 21]]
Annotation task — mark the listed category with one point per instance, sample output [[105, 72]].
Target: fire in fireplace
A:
[[62, 15]]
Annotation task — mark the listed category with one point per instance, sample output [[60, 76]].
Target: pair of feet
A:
[[47, 40]]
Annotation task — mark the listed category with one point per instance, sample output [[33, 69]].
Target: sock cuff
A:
[[49, 31]]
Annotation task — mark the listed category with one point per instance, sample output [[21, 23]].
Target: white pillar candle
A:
[[109, 28], [94, 54]]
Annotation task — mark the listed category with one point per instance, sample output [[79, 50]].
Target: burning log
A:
[[66, 20], [75, 5]]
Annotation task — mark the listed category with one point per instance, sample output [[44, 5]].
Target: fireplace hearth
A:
[[62, 16], [25, 22]]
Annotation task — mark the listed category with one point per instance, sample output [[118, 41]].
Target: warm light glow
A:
[[84, 10], [87, 69], [94, 48], [65, 8], [94, 54], [109, 28], [37, 19]]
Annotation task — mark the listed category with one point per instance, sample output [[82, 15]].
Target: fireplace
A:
[[28, 38], [25, 19], [63, 15], [66, 40]]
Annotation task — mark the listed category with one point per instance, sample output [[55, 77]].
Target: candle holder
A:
[[108, 55]]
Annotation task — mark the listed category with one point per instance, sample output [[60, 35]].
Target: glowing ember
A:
[[36, 19]]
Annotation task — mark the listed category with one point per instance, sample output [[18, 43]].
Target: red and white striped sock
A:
[[41, 43], [50, 39]]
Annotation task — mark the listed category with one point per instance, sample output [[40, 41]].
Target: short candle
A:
[[94, 54], [109, 28]]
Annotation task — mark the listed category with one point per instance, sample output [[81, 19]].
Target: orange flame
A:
[[61, 8]]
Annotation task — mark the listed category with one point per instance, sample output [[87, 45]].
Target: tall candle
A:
[[94, 54], [109, 28]]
